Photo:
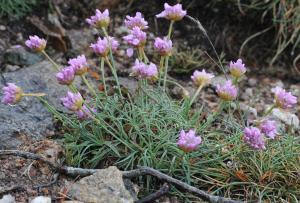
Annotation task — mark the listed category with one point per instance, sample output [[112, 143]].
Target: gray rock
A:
[[17, 55], [41, 199], [7, 199], [11, 68], [286, 117], [80, 39], [218, 80], [29, 117], [106, 185]]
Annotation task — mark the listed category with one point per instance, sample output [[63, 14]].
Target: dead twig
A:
[[159, 193], [142, 170], [53, 181]]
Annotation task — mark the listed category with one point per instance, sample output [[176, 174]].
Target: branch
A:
[[159, 193], [143, 170]]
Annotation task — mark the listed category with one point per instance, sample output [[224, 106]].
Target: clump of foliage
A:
[[215, 151], [16, 8]]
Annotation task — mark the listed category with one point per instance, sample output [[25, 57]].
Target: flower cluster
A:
[[237, 69], [99, 20], [136, 21], [174, 13], [142, 70], [35, 43], [227, 91], [254, 138], [163, 46], [284, 99], [12, 94], [102, 46], [188, 141], [79, 65], [201, 78]]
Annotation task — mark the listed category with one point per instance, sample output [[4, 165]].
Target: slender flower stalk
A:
[[90, 87], [114, 74], [51, 61], [196, 94], [34, 94], [166, 72], [102, 60]]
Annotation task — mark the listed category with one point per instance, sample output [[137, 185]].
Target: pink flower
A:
[[79, 65], [99, 20], [254, 138], [163, 46], [284, 99], [228, 91], [188, 141], [142, 70], [201, 78], [237, 69], [35, 43], [84, 113], [101, 47], [174, 13], [66, 76], [12, 94], [136, 37], [72, 101], [136, 21], [269, 128]]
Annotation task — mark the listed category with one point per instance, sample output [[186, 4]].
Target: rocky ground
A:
[[30, 127]]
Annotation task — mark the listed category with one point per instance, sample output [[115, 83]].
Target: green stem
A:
[[166, 73], [269, 110], [103, 75], [196, 94], [144, 56], [50, 59], [114, 74], [170, 29], [34, 94], [161, 66], [88, 85], [73, 88]]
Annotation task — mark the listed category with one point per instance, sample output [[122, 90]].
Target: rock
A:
[[2, 28], [11, 68], [247, 94], [17, 55], [286, 117], [80, 39], [252, 82], [218, 80], [106, 185], [29, 117], [248, 110], [7, 199], [41, 199]]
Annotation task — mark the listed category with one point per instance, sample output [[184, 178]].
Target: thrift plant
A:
[[217, 152]]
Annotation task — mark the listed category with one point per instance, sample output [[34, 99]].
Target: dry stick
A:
[[11, 189], [126, 174], [154, 196]]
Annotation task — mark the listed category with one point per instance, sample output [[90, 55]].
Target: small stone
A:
[[41, 199], [106, 185], [286, 117], [252, 82], [7, 199], [2, 27], [11, 68]]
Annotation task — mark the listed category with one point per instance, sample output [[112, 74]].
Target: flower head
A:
[[35, 43], [283, 99], [136, 21], [12, 94], [84, 112], [269, 128], [136, 38], [79, 65], [99, 20], [142, 70], [228, 91], [66, 76], [237, 69], [254, 138], [163, 46], [101, 47], [201, 78], [72, 101], [174, 13], [188, 141]]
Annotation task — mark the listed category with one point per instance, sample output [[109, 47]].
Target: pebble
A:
[[2, 28]]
